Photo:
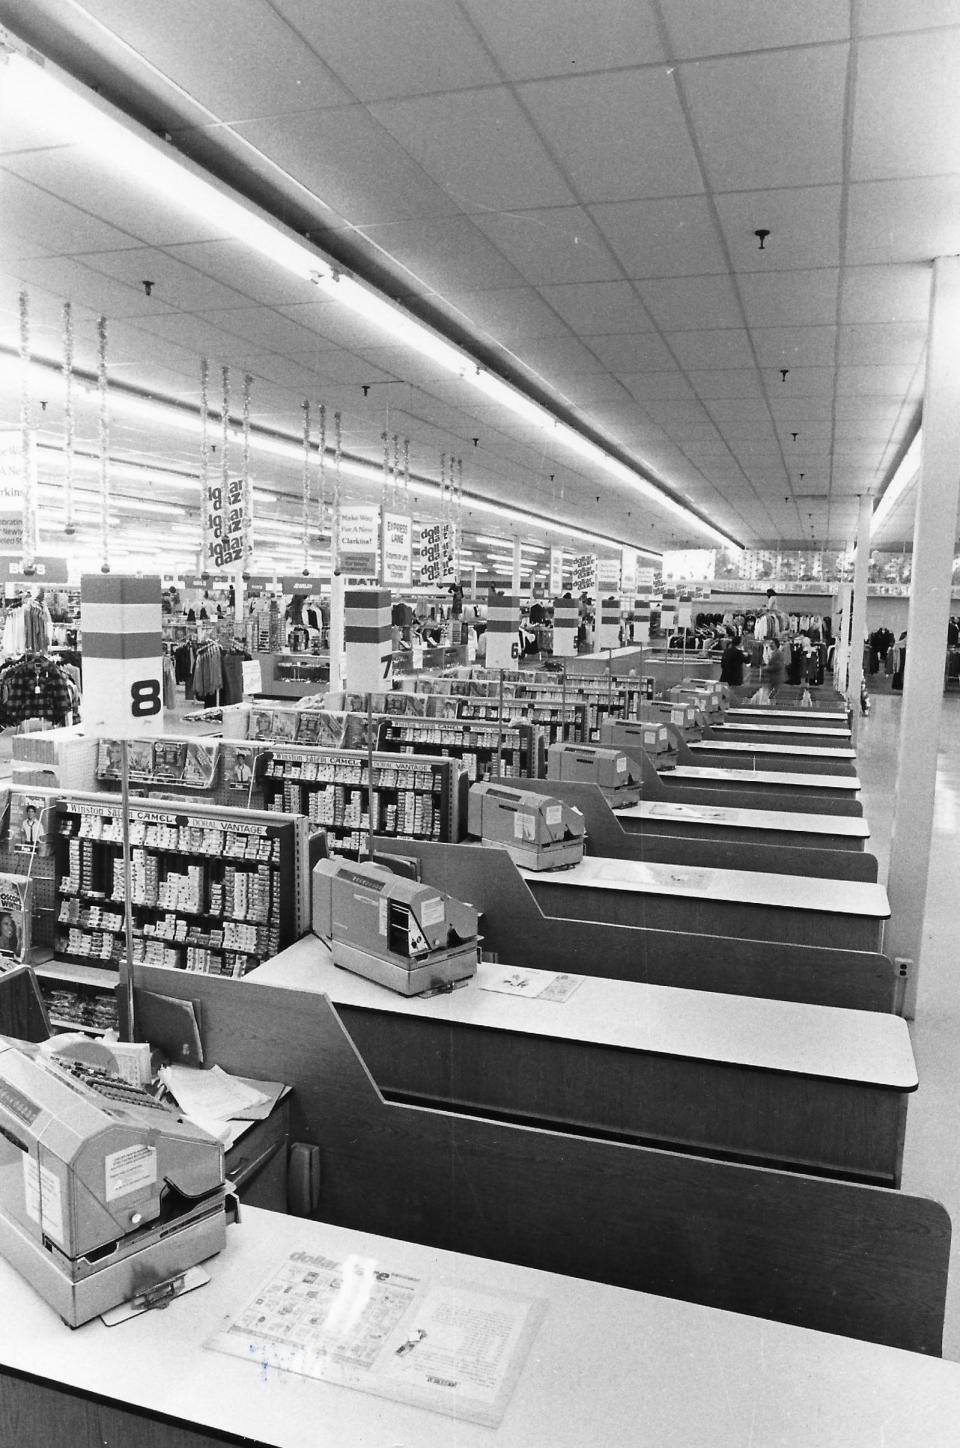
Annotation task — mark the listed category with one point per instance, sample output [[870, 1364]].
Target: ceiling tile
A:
[[879, 16], [347, 159], [718, 27], [37, 215], [257, 279], [804, 227], [907, 116], [554, 245], [68, 280], [617, 136], [511, 314], [222, 65], [406, 47], [769, 119], [729, 347], [584, 390], [691, 303], [151, 219], [903, 221], [662, 238], [886, 293], [560, 357], [449, 254], [874, 381], [795, 346], [889, 343], [173, 283], [726, 382], [803, 382], [724, 409], [623, 354], [666, 385], [479, 147], [599, 307], [786, 299], [557, 42]]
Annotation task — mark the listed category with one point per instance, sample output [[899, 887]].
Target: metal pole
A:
[[126, 963], [500, 729], [372, 795]]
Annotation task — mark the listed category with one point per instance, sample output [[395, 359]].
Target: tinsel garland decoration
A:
[[322, 458], [385, 482], [305, 489], [204, 465], [443, 485], [459, 509], [337, 490], [396, 469], [103, 439], [246, 479], [69, 427], [28, 499], [406, 471]]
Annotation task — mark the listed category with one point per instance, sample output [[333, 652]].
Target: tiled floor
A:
[[932, 1152]]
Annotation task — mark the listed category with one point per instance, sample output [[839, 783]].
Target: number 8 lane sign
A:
[[120, 618]]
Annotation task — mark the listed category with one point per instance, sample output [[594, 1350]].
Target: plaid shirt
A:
[[37, 689]]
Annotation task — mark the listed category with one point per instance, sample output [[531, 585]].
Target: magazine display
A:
[[16, 903]]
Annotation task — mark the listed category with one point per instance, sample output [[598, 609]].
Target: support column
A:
[[841, 632], [565, 619], [367, 638], [641, 609], [503, 622], [120, 618], [935, 528], [608, 624], [337, 682], [859, 625]]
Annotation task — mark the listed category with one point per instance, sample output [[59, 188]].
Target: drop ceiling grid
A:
[[812, 380]]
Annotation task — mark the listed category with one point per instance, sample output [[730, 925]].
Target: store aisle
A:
[[931, 1164]]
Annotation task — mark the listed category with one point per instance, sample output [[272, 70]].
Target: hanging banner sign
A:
[[11, 489], [584, 573], [225, 523], [556, 572], [628, 570], [608, 574], [359, 550], [46, 570], [397, 536], [437, 551], [298, 586], [645, 579]]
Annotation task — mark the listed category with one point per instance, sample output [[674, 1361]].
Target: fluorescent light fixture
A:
[[95, 126], [901, 482]]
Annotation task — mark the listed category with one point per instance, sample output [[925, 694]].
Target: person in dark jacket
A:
[[732, 661]]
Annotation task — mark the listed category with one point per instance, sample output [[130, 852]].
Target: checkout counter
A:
[[603, 1361], [795, 1086], [849, 914]]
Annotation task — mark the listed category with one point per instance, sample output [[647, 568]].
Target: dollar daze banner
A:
[[437, 552], [225, 523]]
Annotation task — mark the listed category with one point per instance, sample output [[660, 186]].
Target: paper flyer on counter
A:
[[541, 985], [450, 1349]]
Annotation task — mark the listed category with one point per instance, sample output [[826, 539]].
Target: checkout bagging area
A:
[[577, 1074]]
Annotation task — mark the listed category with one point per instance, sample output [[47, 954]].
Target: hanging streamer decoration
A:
[[337, 488], [443, 485], [396, 469], [322, 458], [204, 465], [459, 510], [385, 485], [224, 443], [406, 471], [246, 478], [103, 439], [305, 489], [28, 498], [69, 428]]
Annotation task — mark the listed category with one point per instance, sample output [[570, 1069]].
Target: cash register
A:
[[107, 1195], [616, 776], [393, 930], [537, 831]]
